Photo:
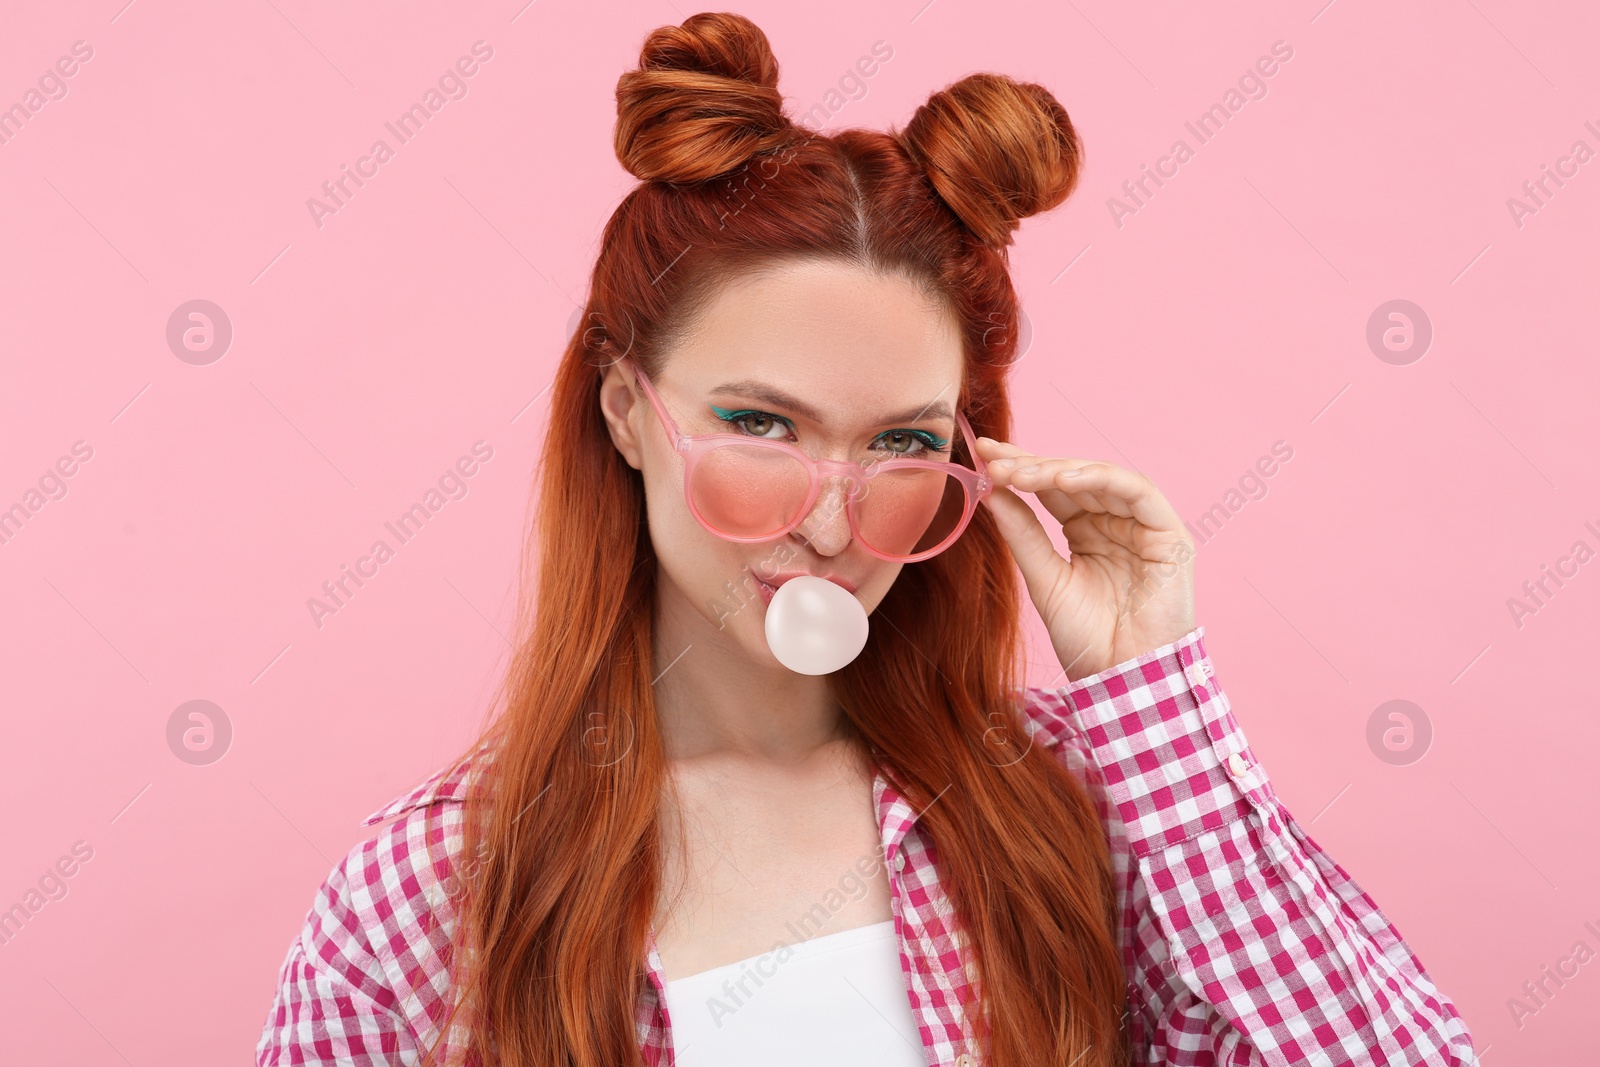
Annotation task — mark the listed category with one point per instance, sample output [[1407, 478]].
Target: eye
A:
[[756, 423], [743, 420], [916, 442]]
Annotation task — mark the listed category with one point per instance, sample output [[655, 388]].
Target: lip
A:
[[769, 586]]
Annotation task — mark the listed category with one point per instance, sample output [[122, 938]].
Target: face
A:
[[818, 354]]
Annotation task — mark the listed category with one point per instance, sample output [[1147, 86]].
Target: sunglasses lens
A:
[[749, 491], [752, 492], [907, 511]]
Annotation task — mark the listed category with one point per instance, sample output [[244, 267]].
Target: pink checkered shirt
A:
[[1242, 940]]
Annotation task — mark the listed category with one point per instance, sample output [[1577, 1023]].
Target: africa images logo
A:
[[451, 85]]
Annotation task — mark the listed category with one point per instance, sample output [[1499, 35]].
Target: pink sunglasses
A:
[[749, 489]]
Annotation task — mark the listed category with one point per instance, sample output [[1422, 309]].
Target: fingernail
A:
[[1005, 464], [1029, 469]]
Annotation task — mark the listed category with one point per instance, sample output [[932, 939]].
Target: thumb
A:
[[1031, 547]]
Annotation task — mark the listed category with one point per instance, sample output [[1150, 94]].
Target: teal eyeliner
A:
[[932, 440]]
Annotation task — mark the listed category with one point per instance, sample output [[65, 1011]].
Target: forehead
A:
[[852, 344]]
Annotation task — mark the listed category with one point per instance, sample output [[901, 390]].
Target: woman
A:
[[670, 847]]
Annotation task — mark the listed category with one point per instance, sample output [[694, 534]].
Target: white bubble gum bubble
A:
[[815, 626]]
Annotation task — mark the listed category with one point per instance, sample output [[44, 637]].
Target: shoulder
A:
[[446, 785], [374, 949], [403, 882]]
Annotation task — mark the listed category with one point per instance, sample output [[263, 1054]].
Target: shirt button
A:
[[1237, 765], [1196, 674], [899, 861]]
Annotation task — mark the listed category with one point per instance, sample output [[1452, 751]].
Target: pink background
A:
[[371, 352]]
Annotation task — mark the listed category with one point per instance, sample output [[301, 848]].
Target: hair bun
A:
[[703, 100], [996, 151]]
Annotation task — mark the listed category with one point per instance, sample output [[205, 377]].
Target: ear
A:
[[622, 408]]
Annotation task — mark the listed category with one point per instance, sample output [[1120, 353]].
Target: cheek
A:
[[873, 592], [677, 538], [699, 562], [670, 520]]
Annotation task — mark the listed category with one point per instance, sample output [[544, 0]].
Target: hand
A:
[[1128, 587]]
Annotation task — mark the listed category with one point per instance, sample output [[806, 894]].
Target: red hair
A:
[[564, 822]]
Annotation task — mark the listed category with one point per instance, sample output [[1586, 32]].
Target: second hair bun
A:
[[996, 151]]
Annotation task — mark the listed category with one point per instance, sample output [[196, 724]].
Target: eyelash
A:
[[931, 442]]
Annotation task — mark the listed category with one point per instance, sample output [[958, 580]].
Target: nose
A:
[[827, 527]]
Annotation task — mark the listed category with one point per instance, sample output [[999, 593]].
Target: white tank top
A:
[[838, 999]]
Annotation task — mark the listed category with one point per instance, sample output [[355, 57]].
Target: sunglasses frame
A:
[[694, 447]]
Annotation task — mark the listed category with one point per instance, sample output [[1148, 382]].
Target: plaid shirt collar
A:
[[932, 945]]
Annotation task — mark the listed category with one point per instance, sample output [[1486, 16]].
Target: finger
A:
[[1003, 456], [1094, 486], [1100, 533], [1056, 498], [989, 448], [1030, 544], [1050, 478], [1099, 487]]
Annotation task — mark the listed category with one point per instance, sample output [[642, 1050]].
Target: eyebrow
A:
[[938, 409]]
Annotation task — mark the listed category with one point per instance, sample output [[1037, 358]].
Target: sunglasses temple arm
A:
[[669, 426], [984, 485]]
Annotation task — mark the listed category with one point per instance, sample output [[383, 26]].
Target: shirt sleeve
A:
[[1244, 942], [333, 1006]]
